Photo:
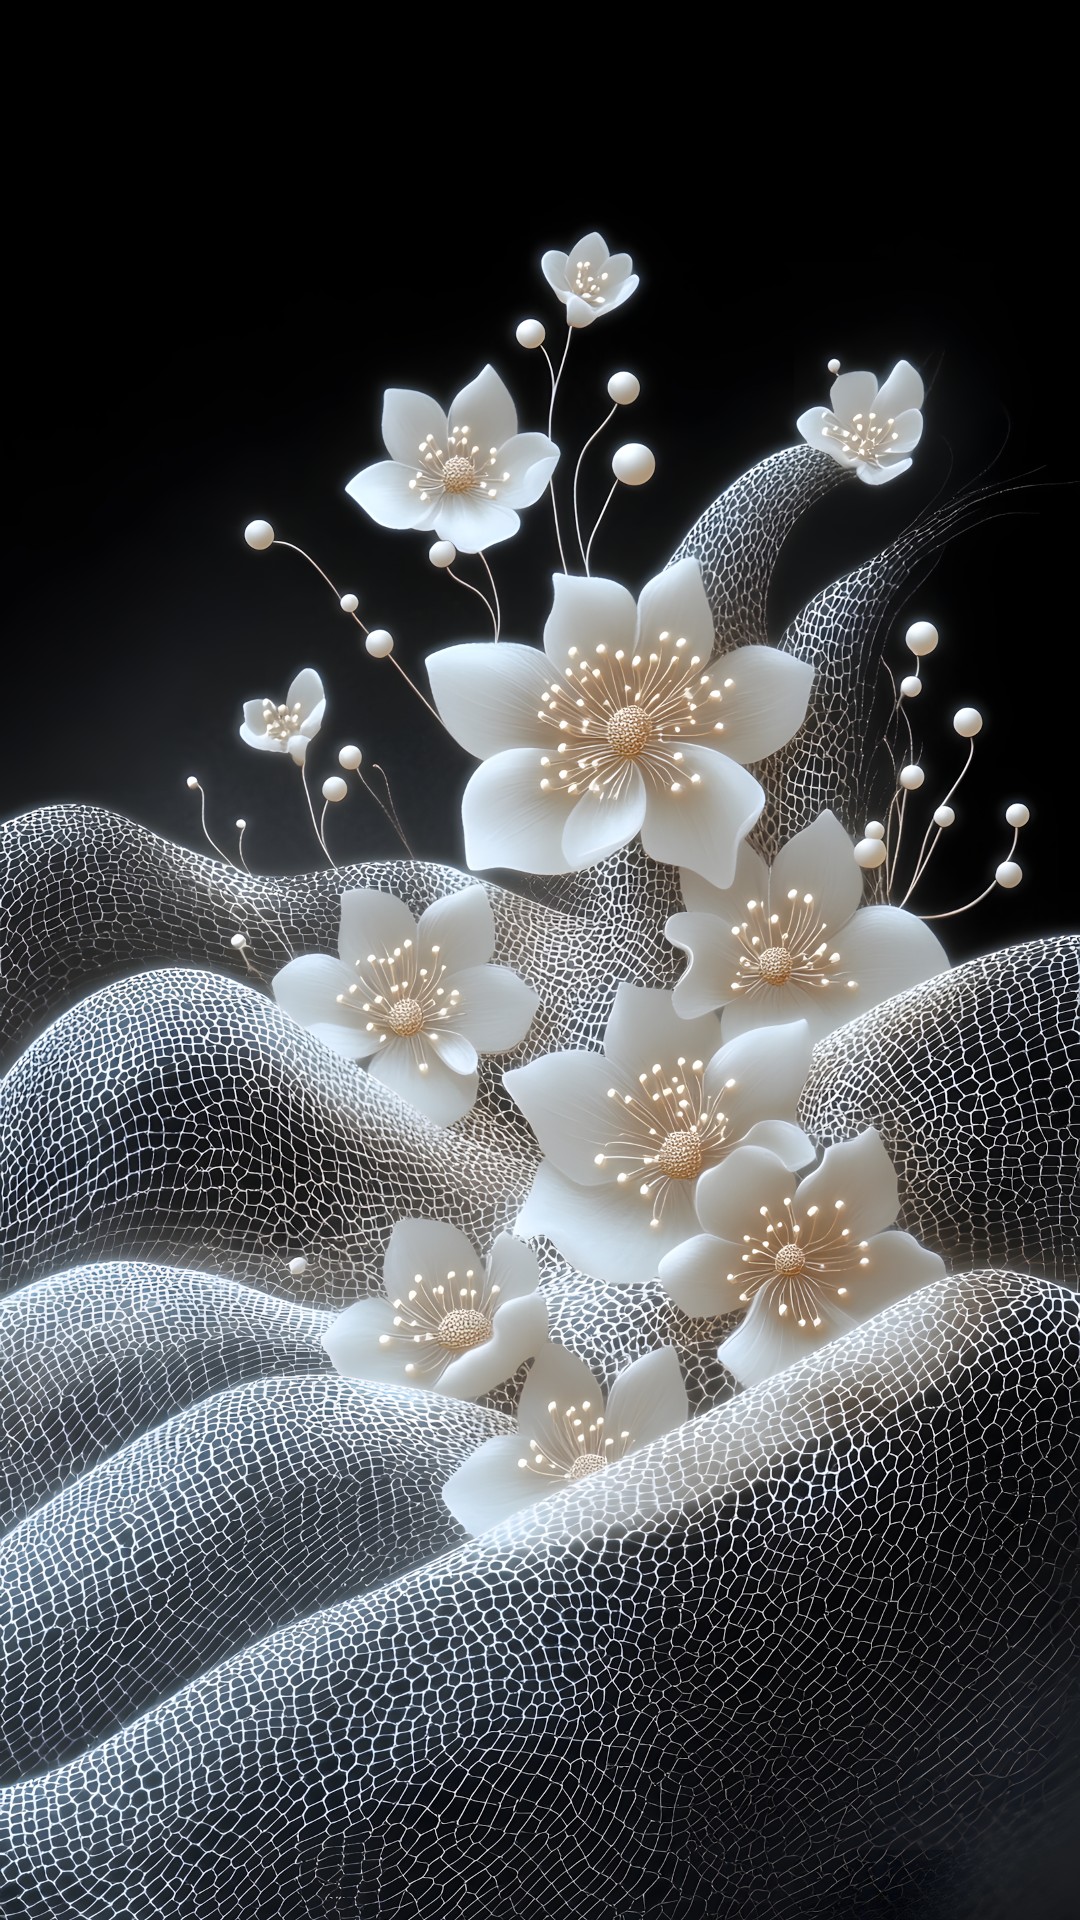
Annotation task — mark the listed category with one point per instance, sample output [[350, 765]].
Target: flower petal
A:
[[509, 820], [407, 419], [713, 954], [262, 741], [553, 266], [644, 1029], [751, 882], [732, 1197], [764, 1344], [512, 1268], [307, 990], [496, 1008], [453, 1049], [811, 425], [591, 251], [306, 692], [384, 492], [559, 1375], [886, 951], [372, 922], [429, 1249], [899, 1265], [462, 926], [648, 1399], [254, 720], [789, 1143], [901, 391], [489, 697], [530, 459], [852, 393], [600, 823], [622, 291], [520, 1328], [694, 1276], [440, 1093], [675, 603], [473, 521], [766, 706], [907, 431], [819, 860], [877, 476], [769, 1069], [584, 612], [564, 1099], [310, 725], [486, 409], [578, 312], [860, 1173], [490, 1486], [605, 1230], [701, 825], [352, 1341]]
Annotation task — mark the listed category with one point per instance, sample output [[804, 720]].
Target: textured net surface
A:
[[816, 1647]]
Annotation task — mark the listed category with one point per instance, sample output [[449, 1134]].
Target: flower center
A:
[[459, 474], [281, 722], [670, 1130], [585, 1464], [612, 707], [867, 436], [785, 949], [776, 966], [629, 732], [681, 1156], [588, 286], [405, 1018], [461, 466], [401, 997], [462, 1328], [789, 1260], [795, 1263]]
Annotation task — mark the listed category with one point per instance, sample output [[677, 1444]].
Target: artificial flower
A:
[[620, 726], [589, 280], [461, 477], [416, 1000], [569, 1433], [808, 1262], [868, 427], [289, 726], [444, 1321], [626, 1133], [793, 942]]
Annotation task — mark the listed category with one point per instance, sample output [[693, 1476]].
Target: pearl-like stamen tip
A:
[[967, 722], [921, 639], [871, 853], [259, 534], [348, 603], [633, 464], [1017, 815], [531, 333], [239, 941], [379, 643], [191, 781], [1008, 874], [350, 758], [623, 388], [911, 778], [944, 816], [442, 554], [334, 788], [298, 1266], [874, 830], [834, 366], [911, 686]]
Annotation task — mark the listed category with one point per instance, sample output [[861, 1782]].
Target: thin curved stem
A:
[[555, 378], [388, 809], [395, 662], [494, 594], [293, 548], [480, 594], [926, 854], [599, 517], [311, 810], [984, 895], [593, 436], [207, 836]]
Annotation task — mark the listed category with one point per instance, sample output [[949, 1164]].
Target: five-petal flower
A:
[[417, 1001], [873, 429], [620, 726], [462, 477], [627, 1132], [288, 726], [589, 280], [810, 1262], [792, 942], [568, 1431], [445, 1321]]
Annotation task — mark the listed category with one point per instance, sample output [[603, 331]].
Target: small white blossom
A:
[[873, 429], [566, 1433], [461, 477], [809, 1262], [288, 726], [444, 1322], [416, 1000], [589, 280]]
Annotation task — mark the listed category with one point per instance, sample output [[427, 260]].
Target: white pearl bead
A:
[[379, 643], [241, 826], [1008, 874], [911, 686], [348, 603], [911, 777], [870, 853], [350, 758], [298, 1266], [874, 830], [921, 639], [623, 388], [259, 534], [442, 554], [1017, 815], [944, 817], [191, 781], [834, 366], [335, 788], [633, 464], [531, 333], [239, 941], [968, 722]]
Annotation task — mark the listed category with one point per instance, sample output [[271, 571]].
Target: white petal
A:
[[496, 1008], [701, 825], [622, 292], [764, 1344], [644, 1029], [559, 1375], [579, 313], [694, 1276], [860, 1173], [605, 1230], [530, 459], [553, 266], [751, 882], [907, 431], [564, 1099], [902, 390], [407, 419], [352, 1341], [509, 820], [899, 1265], [730, 1197], [520, 1329], [441, 1094], [769, 1068], [473, 521], [778, 1006], [489, 697], [675, 603], [307, 692], [765, 707], [587, 611], [811, 425], [485, 407], [648, 1399], [462, 926], [886, 951], [309, 726], [852, 393], [384, 492], [819, 860], [262, 741], [878, 476], [789, 1143], [490, 1486], [601, 823], [512, 1268], [431, 1248], [591, 248], [298, 747], [254, 722], [713, 954], [371, 922], [307, 990], [453, 1049]]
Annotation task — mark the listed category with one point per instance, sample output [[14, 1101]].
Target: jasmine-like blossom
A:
[[288, 726], [873, 429], [461, 476], [444, 1322], [793, 942], [622, 725], [417, 1001], [627, 1133], [589, 280], [566, 1433], [808, 1262]]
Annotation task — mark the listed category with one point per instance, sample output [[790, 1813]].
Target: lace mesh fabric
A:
[[818, 1648]]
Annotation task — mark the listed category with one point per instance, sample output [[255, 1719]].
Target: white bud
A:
[[348, 603], [944, 817], [870, 853], [633, 464], [335, 788], [259, 534], [298, 747], [623, 388], [834, 366], [191, 781], [874, 830], [241, 826], [442, 554], [298, 1266], [1017, 815], [921, 639], [911, 686], [1008, 874], [379, 643], [968, 722], [350, 758], [911, 777], [531, 333], [239, 941]]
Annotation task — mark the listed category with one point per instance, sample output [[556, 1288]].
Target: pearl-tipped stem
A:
[[555, 378], [482, 556], [979, 897], [599, 517], [311, 810], [293, 548], [197, 787], [389, 810], [606, 421], [480, 594], [242, 829], [926, 851], [395, 662]]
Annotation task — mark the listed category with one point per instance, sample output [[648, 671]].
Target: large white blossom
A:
[[462, 476], [288, 726], [793, 942], [444, 1321], [620, 726], [566, 1433], [416, 1000], [808, 1261], [626, 1133], [873, 429], [589, 280]]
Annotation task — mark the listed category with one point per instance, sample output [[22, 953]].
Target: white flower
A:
[[627, 1132], [288, 727], [619, 727], [790, 943], [460, 477], [444, 1322], [589, 280], [868, 427], [810, 1262], [569, 1432], [416, 1000]]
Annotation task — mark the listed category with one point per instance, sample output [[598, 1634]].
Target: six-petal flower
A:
[[288, 726], [589, 280], [870, 428]]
